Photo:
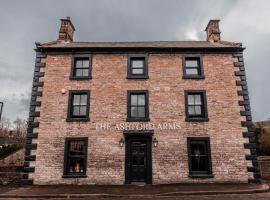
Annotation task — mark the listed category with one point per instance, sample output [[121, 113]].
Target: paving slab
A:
[[129, 191]]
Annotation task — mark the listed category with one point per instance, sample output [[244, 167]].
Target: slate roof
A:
[[147, 44]]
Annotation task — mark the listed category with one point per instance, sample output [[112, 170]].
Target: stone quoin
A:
[[198, 86]]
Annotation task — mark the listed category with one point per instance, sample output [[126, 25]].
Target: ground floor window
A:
[[199, 156], [75, 157]]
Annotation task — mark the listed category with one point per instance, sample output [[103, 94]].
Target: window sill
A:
[[79, 78], [74, 176], [201, 175], [193, 77], [138, 120], [137, 77], [77, 120], [197, 119]]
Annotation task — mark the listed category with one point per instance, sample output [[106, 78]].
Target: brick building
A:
[[150, 112]]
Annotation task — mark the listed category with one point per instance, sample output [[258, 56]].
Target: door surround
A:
[[138, 134]]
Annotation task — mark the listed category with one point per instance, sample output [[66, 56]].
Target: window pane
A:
[[76, 99], [191, 63], [79, 63], [76, 157], [199, 157], [199, 163], [191, 99], [82, 110], [76, 165], [198, 99], [79, 72], [85, 64], [198, 148], [198, 110], [192, 71], [133, 111], [85, 72], [137, 63], [76, 111], [141, 112], [134, 98], [137, 71], [191, 110], [76, 147], [83, 99], [141, 99]]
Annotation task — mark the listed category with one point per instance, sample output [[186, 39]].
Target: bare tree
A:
[[20, 126], [5, 126]]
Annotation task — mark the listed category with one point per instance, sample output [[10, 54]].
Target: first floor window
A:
[[196, 107], [78, 108], [199, 156], [138, 105], [75, 156]]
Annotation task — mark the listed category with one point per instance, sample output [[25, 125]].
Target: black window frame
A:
[[204, 116], [200, 174], [200, 67], [70, 118], [138, 92], [66, 174], [76, 57], [129, 69]]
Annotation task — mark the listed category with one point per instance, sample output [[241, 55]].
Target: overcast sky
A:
[[24, 22]]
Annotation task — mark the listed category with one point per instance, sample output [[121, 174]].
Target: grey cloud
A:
[[24, 22], [16, 106]]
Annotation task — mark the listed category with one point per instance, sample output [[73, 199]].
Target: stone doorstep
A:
[[262, 189]]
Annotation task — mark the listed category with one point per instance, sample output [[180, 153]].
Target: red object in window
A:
[[77, 167]]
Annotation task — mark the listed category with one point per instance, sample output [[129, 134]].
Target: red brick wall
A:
[[108, 103]]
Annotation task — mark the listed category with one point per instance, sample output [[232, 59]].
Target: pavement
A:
[[170, 191]]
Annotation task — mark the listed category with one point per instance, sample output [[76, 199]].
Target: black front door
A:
[[138, 159]]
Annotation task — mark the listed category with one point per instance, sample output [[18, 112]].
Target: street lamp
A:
[[1, 109]]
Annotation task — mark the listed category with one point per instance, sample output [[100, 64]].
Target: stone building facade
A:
[[139, 112]]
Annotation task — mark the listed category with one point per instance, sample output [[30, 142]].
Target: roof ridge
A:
[[140, 41]]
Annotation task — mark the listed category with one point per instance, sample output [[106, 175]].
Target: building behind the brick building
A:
[[149, 112]]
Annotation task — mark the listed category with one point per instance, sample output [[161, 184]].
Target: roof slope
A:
[[147, 44]]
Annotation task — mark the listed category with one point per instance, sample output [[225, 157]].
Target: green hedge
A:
[[9, 149]]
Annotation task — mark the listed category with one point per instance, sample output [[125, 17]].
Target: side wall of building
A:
[[108, 104]]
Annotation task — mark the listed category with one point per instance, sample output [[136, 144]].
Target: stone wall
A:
[[264, 166], [15, 159], [11, 168]]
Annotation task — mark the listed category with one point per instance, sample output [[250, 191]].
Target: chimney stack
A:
[[212, 31], [66, 30]]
